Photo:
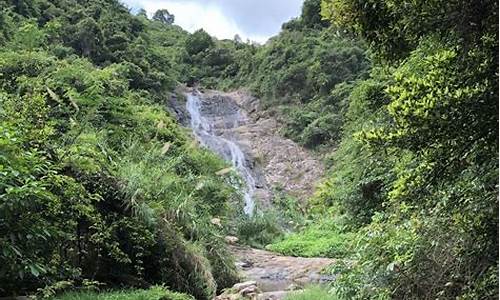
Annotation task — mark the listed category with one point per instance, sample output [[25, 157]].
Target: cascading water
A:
[[205, 131]]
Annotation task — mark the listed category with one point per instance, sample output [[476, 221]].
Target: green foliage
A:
[[394, 29], [320, 122], [298, 66], [356, 184], [269, 224], [317, 293], [198, 42], [30, 37], [311, 14], [88, 37], [163, 16], [421, 137], [316, 240], [154, 293], [260, 229], [97, 180]]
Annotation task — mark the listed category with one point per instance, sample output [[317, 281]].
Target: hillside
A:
[[98, 182]]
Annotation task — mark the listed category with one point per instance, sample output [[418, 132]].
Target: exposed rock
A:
[[228, 297], [165, 148], [216, 221], [250, 290], [277, 295], [294, 287], [223, 171], [232, 240], [177, 107], [244, 290], [245, 264], [276, 162], [243, 285]]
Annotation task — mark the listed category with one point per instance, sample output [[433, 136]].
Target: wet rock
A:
[[277, 295], [177, 108], [244, 264], [243, 290], [227, 297], [281, 162], [303, 280]]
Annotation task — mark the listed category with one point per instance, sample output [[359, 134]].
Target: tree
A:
[[198, 42], [438, 135], [163, 16], [88, 38], [394, 29], [142, 13], [237, 39], [311, 14], [30, 37]]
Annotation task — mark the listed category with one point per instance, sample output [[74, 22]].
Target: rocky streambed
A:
[[269, 276]]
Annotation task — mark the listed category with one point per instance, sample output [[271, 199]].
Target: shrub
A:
[[259, 229]]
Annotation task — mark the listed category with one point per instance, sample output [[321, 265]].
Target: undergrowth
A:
[[319, 239], [271, 223], [312, 293], [154, 293]]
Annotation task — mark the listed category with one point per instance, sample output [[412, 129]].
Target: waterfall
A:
[[204, 129]]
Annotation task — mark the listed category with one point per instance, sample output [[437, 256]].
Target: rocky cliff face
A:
[[277, 163]]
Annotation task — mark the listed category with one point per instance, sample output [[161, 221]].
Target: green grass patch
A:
[[154, 293], [316, 293], [317, 240]]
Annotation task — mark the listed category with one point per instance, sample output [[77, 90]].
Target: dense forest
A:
[[101, 188]]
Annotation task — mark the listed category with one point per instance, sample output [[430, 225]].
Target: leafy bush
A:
[[269, 224]]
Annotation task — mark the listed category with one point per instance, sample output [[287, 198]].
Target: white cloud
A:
[[218, 18]]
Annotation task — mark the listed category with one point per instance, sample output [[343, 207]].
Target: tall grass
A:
[[312, 293], [321, 239], [155, 293], [260, 229]]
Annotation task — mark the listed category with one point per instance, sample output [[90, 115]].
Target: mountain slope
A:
[[98, 182]]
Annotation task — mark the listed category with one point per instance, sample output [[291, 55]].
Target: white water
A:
[[205, 132]]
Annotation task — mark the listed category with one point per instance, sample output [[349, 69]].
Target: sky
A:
[[256, 20]]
